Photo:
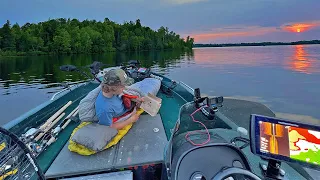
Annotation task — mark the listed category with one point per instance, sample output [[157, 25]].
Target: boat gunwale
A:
[[38, 108]]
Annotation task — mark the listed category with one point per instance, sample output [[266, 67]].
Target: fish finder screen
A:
[[293, 142]]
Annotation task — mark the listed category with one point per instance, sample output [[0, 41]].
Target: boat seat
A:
[[144, 144]]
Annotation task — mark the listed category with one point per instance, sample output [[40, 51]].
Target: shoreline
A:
[[259, 44], [40, 53]]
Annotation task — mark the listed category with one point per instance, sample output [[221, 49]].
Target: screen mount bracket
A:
[[272, 170]]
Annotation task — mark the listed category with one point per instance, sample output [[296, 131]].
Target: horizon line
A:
[[262, 42]]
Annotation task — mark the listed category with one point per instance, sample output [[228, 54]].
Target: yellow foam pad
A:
[[80, 149], [2, 146], [4, 176]]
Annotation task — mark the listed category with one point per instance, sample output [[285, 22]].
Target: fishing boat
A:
[[192, 137]]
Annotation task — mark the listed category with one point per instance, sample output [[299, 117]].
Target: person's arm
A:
[[122, 124]]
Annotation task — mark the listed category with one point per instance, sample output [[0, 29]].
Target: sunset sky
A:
[[208, 21]]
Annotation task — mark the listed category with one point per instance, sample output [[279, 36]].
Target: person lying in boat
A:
[[109, 104]]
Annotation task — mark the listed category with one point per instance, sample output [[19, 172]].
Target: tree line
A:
[[71, 36], [258, 44]]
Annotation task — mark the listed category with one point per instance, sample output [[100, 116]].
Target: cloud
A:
[[230, 32], [183, 1], [235, 32], [300, 26]]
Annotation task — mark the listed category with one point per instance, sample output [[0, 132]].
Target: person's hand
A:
[[139, 102], [140, 99], [135, 117]]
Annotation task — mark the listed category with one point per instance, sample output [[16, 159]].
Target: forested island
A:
[[258, 44], [71, 36]]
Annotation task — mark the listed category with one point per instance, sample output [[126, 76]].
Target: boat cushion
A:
[[94, 136], [83, 149], [87, 110]]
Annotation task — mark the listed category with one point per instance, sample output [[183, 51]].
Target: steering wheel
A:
[[234, 170]]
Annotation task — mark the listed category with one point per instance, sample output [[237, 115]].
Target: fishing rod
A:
[[51, 137], [37, 139], [63, 125], [32, 132]]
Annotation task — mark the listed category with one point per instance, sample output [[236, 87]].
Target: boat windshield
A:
[[194, 128]]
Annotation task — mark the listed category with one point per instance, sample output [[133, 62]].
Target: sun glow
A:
[[299, 27]]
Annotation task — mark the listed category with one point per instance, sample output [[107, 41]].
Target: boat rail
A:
[[70, 88], [188, 88]]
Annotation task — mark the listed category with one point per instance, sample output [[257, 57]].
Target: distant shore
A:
[[258, 44]]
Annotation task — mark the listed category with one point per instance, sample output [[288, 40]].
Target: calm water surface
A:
[[285, 78]]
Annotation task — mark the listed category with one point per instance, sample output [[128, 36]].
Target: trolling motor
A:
[[72, 68], [131, 65], [134, 63], [68, 68], [134, 70], [208, 105], [95, 67]]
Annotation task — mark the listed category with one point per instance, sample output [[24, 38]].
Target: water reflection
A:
[[43, 71], [243, 56], [300, 60], [26, 82]]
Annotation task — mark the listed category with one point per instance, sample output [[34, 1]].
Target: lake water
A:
[[285, 78]]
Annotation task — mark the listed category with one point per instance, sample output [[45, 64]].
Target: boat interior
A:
[[140, 153]]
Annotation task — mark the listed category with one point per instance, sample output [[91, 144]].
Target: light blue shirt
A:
[[108, 108]]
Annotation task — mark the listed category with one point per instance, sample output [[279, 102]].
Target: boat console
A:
[[196, 151], [205, 146]]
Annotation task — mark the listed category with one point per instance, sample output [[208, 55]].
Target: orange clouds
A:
[[300, 27], [228, 32], [249, 31]]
